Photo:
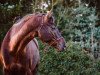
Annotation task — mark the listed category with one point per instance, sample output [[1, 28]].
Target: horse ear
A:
[[48, 15]]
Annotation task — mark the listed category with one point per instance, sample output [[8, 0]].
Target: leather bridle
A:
[[56, 40]]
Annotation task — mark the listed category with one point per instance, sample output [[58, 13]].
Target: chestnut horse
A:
[[19, 48]]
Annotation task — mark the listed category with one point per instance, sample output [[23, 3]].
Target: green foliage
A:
[[77, 23], [72, 61], [11, 9], [78, 19]]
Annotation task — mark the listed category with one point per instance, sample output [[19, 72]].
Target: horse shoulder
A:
[[32, 52]]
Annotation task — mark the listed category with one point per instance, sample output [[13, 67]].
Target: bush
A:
[[73, 61]]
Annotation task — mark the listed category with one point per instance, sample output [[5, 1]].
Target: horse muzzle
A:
[[61, 47]]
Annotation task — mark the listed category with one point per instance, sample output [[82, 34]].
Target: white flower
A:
[[87, 5]]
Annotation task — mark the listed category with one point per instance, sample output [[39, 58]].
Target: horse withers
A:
[[20, 50]]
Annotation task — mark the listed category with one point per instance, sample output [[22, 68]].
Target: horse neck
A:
[[23, 36], [18, 41]]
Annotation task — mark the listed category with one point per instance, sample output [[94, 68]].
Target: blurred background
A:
[[79, 23]]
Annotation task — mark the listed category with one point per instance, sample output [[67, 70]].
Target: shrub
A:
[[73, 61]]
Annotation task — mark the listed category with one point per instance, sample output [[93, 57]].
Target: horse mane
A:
[[1, 60], [20, 22]]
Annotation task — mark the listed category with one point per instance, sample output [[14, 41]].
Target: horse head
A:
[[49, 33]]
